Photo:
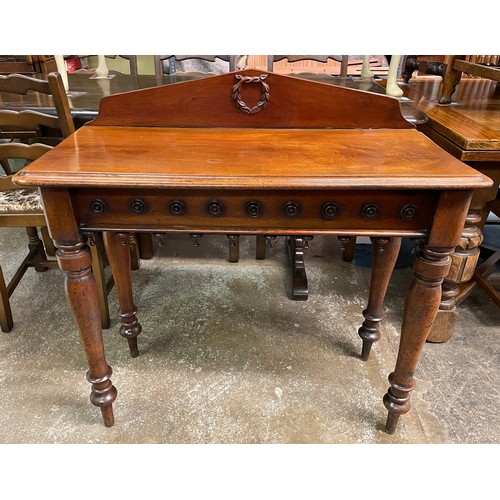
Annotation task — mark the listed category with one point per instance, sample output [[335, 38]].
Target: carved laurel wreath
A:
[[264, 97]]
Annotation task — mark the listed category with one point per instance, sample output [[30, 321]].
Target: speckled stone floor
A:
[[227, 357]]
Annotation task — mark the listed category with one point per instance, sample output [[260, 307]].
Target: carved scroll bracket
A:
[[264, 97]]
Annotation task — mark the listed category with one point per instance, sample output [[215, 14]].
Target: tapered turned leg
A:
[[464, 261], [118, 251], [385, 254], [81, 291], [422, 302]]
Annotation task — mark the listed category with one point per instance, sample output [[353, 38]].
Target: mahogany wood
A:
[[385, 254], [273, 172], [118, 251], [294, 103]]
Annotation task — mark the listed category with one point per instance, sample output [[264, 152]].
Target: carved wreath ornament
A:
[[264, 97]]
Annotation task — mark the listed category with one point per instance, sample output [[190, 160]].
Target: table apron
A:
[[398, 212]]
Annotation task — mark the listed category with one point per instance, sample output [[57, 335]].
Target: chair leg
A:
[[482, 273], [35, 244], [50, 249], [6, 322], [6, 167]]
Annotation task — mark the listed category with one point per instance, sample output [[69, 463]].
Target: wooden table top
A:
[[471, 123], [158, 157]]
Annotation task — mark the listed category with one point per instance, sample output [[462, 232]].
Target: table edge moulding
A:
[[253, 152]]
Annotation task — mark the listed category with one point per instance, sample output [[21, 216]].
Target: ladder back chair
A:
[[342, 59], [25, 136], [209, 64]]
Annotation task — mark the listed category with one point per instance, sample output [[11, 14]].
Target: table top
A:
[[85, 93], [471, 122], [250, 158], [201, 134]]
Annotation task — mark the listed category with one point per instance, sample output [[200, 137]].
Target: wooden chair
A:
[[344, 61], [206, 64], [23, 133], [483, 273], [483, 67], [21, 208], [456, 65]]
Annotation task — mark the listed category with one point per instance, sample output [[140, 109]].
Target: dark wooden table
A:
[[254, 153], [469, 129]]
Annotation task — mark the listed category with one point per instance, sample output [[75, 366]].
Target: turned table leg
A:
[[464, 261], [118, 251], [459, 283], [81, 291], [385, 254], [431, 266]]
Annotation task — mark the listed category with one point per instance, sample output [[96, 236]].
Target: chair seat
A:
[[18, 201]]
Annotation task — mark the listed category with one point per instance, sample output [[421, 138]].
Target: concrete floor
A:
[[226, 357]]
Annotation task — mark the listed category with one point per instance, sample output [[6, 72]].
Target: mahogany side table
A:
[[254, 153]]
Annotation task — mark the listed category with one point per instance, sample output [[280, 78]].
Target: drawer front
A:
[[264, 211]]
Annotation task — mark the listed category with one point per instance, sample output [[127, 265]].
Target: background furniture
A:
[[488, 68], [456, 65], [206, 64], [470, 131], [22, 208], [334, 65], [26, 64], [342, 59]]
